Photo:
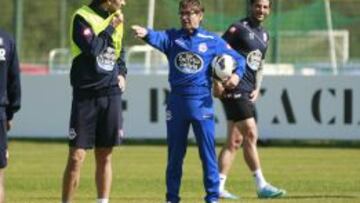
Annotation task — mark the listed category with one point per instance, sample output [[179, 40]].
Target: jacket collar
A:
[[253, 22], [99, 10], [196, 31]]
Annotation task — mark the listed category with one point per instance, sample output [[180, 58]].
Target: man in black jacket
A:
[[10, 90], [98, 80], [249, 38]]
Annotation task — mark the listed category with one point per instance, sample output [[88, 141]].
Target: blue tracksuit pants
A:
[[181, 113]]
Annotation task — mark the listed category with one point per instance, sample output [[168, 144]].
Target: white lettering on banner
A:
[[291, 107], [316, 112], [287, 110], [310, 108]]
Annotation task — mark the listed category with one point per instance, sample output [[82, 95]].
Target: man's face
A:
[[190, 18], [260, 10], [115, 5]]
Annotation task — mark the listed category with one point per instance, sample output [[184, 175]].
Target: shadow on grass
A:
[[320, 197], [262, 143], [311, 143]]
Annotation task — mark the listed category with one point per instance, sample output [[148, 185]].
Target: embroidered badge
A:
[[203, 47], [87, 32], [72, 133], [232, 29]]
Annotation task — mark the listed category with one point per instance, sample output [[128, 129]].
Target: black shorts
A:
[[238, 109], [96, 122], [3, 144]]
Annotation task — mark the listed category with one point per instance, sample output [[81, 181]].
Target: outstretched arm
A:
[[139, 31], [157, 39]]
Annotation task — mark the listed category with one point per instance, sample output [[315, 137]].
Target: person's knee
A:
[[234, 144], [76, 159], [103, 161], [103, 156], [251, 135]]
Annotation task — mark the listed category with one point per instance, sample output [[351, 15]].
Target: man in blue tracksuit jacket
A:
[[190, 51]]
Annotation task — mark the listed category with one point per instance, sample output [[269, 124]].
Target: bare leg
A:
[[228, 152], [103, 172], [227, 156], [248, 129], [72, 173], [2, 190]]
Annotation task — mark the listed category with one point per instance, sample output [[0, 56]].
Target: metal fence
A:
[[306, 33]]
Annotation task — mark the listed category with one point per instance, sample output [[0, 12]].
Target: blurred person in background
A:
[[189, 51], [10, 96], [98, 80], [249, 38]]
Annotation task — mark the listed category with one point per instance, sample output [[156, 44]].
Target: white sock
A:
[[222, 182], [259, 179], [103, 200]]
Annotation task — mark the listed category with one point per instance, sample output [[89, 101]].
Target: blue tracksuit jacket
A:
[[190, 58]]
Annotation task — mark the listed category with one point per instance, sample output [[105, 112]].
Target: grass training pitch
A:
[[309, 174]]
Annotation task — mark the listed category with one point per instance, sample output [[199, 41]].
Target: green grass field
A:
[[308, 174]]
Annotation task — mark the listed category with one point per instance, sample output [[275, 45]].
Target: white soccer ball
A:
[[223, 66]]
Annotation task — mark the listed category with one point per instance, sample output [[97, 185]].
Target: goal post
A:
[[313, 46]]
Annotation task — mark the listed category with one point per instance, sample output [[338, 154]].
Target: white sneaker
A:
[[270, 191], [227, 195]]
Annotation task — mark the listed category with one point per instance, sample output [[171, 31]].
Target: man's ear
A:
[[201, 16]]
